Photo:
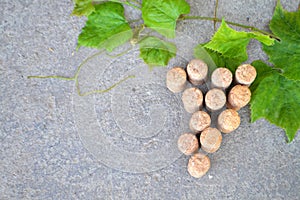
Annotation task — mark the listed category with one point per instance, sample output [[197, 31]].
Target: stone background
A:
[[41, 151]]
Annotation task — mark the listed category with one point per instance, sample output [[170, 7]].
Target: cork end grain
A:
[[199, 121], [215, 99], [192, 99], [228, 121], [176, 79], [245, 74], [221, 78], [188, 143], [197, 71], [238, 97], [210, 139], [198, 165]]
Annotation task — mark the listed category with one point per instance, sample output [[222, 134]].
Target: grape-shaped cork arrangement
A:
[[227, 93]]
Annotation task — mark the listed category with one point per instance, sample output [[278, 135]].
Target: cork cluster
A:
[[227, 94]]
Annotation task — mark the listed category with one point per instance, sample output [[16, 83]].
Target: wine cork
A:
[[221, 78], [238, 97], [197, 71], [245, 74], [198, 165], [176, 79], [192, 99], [210, 140], [215, 99], [188, 143], [228, 121], [199, 121]]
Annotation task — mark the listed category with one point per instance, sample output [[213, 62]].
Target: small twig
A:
[[120, 54], [122, 2], [68, 78], [136, 34], [215, 14], [231, 23], [54, 77], [278, 69], [94, 91], [134, 20], [75, 77], [101, 91], [85, 61], [145, 35]]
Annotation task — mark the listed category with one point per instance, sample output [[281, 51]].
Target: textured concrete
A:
[[47, 145]]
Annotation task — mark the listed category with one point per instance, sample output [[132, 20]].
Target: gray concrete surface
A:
[[44, 148]]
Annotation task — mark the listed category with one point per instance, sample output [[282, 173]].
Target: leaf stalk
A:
[[252, 28]]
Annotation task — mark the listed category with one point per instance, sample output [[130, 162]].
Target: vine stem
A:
[[132, 5], [54, 77], [106, 90], [126, 2], [228, 22], [134, 20], [119, 54], [215, 14], [75, 77]]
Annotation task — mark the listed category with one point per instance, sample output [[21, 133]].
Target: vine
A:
[[215, 14], [276, 96], [75, 77]]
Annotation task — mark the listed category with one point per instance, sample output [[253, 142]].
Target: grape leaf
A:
[[276, 99], [214, 59], [83, 7], [263, 70], [286, 53], [156, 52], [264, 39], [161, 15], [232, 44], [106, 27]]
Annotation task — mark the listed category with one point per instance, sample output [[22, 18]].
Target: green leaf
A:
[[286, 53], [264, 39], [156, 52], [276, 99], [83, 7], [214, 59], [263, 70], [106, 27], [232, 44], [161, 15]]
